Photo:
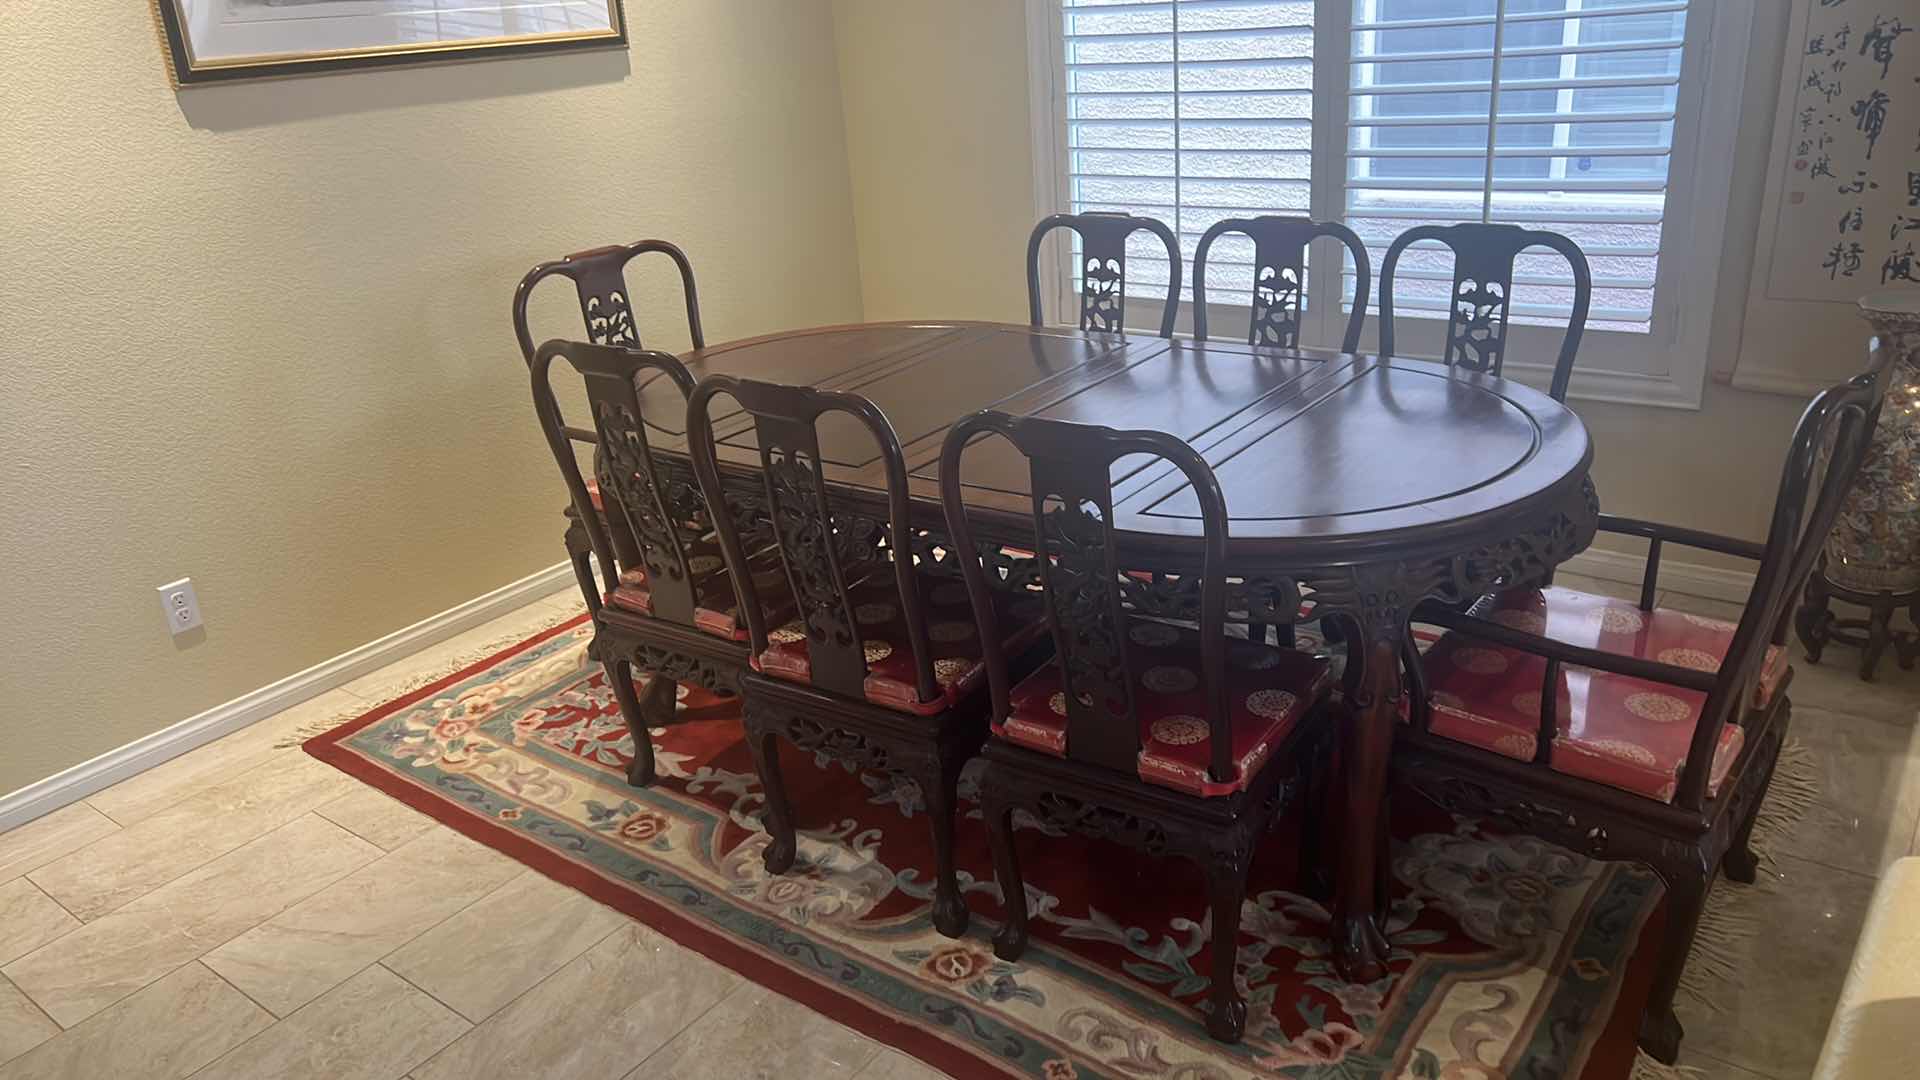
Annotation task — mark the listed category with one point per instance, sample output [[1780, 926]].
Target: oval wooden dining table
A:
[[1363, 484]]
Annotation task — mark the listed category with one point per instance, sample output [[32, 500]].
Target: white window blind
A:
[[1550, 114], [1189, 111]]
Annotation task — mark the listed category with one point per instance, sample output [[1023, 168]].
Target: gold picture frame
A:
[[215, 41]]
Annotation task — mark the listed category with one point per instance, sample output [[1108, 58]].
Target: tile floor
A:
[[244, 912]]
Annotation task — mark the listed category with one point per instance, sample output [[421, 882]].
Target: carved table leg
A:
[[1011, 940], [1360, 948], [761, 736], [939, 787], [620, 677]]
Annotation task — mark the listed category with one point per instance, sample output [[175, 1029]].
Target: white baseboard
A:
[[1694, 579], [84, 779]]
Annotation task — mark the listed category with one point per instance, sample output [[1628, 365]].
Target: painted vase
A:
[[1875, 545]]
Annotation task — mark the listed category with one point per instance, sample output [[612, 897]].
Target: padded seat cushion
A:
[[954, 636], [1268, 691], [1628, 733], [716, 610]]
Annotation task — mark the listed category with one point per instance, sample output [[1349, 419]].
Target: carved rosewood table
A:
[[1356, 485]]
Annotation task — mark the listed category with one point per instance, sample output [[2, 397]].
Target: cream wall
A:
[[943, 164], [258, 334]]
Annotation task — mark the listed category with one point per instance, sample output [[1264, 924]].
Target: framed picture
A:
[[220, 40]]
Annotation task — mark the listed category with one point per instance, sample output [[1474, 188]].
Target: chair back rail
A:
[[1479, 301], [1103, 266], [606, 305], [1279, 276], [1081, 575], [810, 535], [634, 491], [1829, 443]]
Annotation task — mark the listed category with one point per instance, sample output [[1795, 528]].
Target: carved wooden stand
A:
[[1817, 626], [1685, 849], [1218, 834], [928, 750]]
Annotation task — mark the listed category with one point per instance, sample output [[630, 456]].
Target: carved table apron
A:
[[1374, 483]]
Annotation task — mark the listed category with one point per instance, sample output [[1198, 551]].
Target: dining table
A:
[[1357, 487]]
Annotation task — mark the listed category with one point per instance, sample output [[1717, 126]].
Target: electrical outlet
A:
[[180, 606]]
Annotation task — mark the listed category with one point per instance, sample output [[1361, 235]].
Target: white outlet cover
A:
[[179, 605]]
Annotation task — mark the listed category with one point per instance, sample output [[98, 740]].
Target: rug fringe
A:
[[1731, 920], [466, 658]]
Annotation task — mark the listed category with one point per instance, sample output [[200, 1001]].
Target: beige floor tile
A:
[[323, 940], [376, 817], [189, 834], [49, 837], [29, 919], [492, 951], [597, 1017], [1700, 1067], [431, 663], [136, 799], [371, 1027], [1700, 605], [756, 1033], [106, 960], [1597, 587], [1773, 1017], [164, 1032], [1834, 684], [22, 1025], [1869, 802], [894, 1065]]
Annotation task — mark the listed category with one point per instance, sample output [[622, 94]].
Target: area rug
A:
[[1511, 958]]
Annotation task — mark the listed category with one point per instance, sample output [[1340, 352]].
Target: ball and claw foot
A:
[[950, 914], [1360, 950], [779, 854], [1660, 1034], [1227, 1020], [1741, 864], [1009, 943]]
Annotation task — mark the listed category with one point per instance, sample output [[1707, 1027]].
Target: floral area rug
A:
[[1511, 958]]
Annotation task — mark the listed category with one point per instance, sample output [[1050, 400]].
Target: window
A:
[[1577, 116]]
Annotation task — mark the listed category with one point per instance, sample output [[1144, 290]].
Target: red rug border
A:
[[741, 959], [1613, 1054]]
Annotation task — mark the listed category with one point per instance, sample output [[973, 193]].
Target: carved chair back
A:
[[1280, 276], [1480, 300], [1081, 576], [825, 549], [655, 517], [606, 307], [1103, 267]]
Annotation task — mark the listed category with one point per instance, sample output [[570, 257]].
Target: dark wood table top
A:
[[1328, 452]]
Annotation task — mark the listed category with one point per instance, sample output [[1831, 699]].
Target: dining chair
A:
[[1103, 267], [1168, 738], [667, 604], [1280, 276], [1480, 299], [881, 667], [1631, 731], [606, 310]]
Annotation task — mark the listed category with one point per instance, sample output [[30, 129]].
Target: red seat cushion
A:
[[1268, 691], [952, 632], [1629, 733], [716, 609]]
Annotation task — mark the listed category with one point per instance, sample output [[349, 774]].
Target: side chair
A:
[[1280, 276], [1163, 737], [1103, 267], [881, 667]]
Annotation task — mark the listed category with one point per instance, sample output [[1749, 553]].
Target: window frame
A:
[[1693, 225]]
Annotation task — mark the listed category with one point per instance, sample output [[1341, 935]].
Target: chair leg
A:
[[620, 677], [939, 787], [1687, 884], [1257, 633], [1226, 871], [1879, 636], [782, 846], [1740, 863], [1286, 636], [1011, 940]]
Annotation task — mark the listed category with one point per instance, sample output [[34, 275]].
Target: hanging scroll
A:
[[1842, 210]]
